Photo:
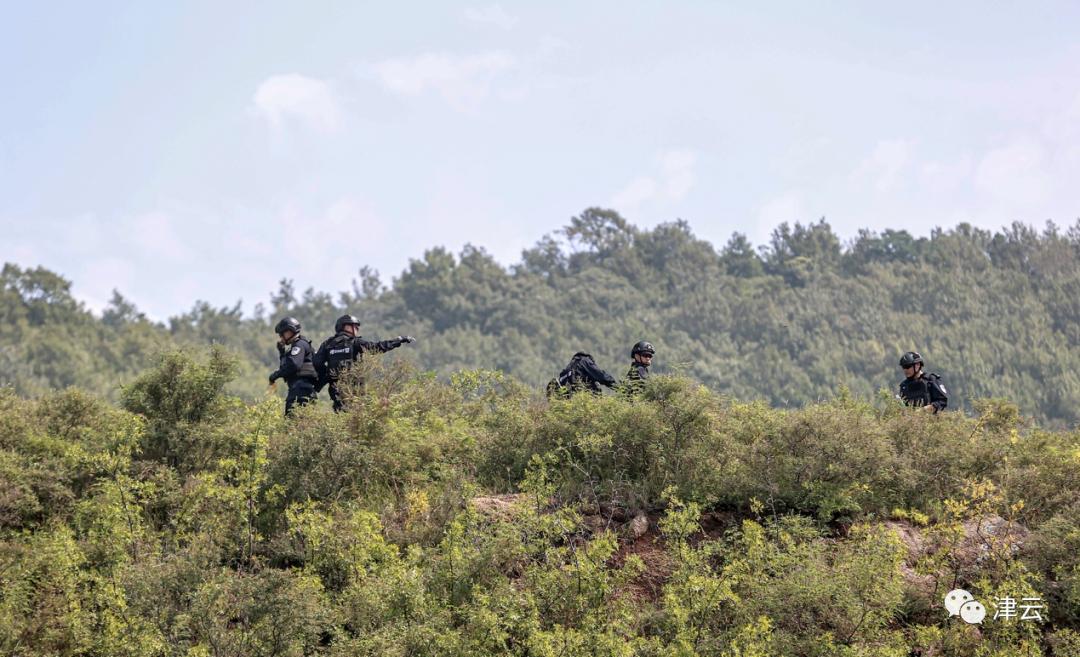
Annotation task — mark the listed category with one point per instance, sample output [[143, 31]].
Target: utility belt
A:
[[306, 373]]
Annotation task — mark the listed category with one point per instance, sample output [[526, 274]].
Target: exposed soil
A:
[[639, 535]]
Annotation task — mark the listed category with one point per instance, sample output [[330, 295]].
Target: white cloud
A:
[[463, 208], [1065, 125], [788, 207], [491, 15], [24, 255], [293, 97], [1060, 134], [462, 80], [886, 166], [1015, 173], [677, 176], [359, 234], [678, 173], [637, 191], [551, 45], [166, 259], [99, 277], [153, 234], [947, 176]]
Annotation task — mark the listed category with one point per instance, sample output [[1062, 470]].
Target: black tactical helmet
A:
[[287, 324], [642, 347], [910, 359], [344, 321]]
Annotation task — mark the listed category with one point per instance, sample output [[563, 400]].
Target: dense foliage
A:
[[188, 522], [996, 314]]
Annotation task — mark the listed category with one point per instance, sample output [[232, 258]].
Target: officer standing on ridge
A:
[[921, 388], [581, 373], [338, 353], [641, 355], [296, 366]]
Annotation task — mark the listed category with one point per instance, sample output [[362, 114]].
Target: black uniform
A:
[[926, 389], [582, 373], [298, 370], [635, 377], [338, 353]]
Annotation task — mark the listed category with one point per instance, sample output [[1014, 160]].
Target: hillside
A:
[[470, 517], [797, 320]]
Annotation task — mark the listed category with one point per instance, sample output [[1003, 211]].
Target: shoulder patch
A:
[[295, 350]]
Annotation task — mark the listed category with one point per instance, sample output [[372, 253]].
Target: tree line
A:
[[789, 322]]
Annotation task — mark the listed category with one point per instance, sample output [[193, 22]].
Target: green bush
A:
[[190, 523]]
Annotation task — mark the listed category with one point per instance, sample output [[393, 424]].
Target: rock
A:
[[639, 526], [990, 534], [595, 524], [589, 509], [980, 538], [497, 506], [911, 537], [615, 512]]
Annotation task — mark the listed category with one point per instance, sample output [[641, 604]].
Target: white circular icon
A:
[[973, 612], [955, 599]]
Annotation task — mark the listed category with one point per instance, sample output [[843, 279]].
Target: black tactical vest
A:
[[340, 354], [916, 392], [307, 368]]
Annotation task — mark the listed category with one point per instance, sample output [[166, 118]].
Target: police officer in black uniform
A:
[[641, 355], [581, 373], [297, 366], [338, 353], [921, 388]]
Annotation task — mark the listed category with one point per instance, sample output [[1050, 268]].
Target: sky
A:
[[205, 150]]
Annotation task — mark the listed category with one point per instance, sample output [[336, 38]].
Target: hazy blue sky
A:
[[204, 150]]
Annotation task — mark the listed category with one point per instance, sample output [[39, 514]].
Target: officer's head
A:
[[288, 328], [347, 324], [642, 352], [911, 363]]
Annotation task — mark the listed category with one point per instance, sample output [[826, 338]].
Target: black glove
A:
[[407, 339], [274, 377]]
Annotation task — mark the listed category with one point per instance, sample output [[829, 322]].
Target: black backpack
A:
[[570, 379]]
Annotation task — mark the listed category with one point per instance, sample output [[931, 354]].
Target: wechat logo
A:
[[960, 603]]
